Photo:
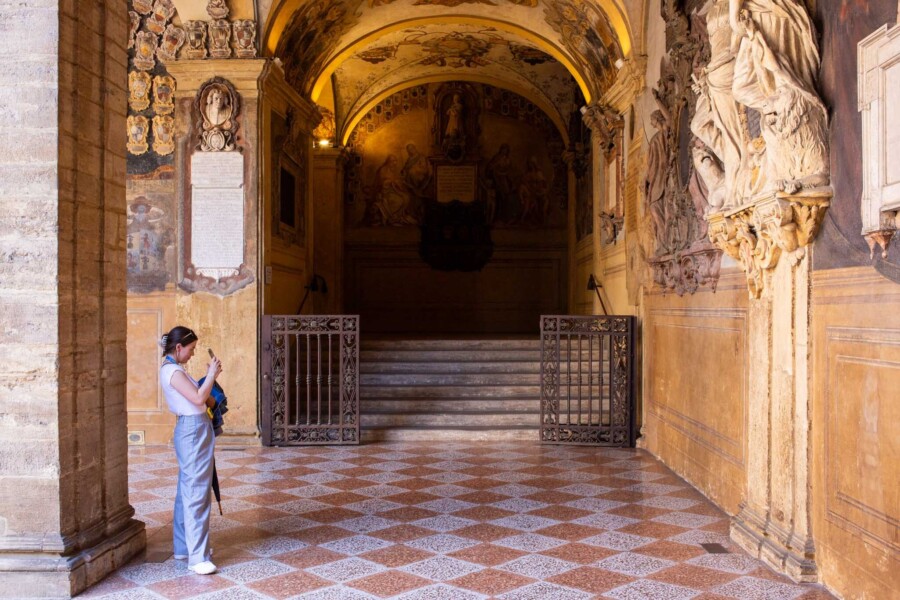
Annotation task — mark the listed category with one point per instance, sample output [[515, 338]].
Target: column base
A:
[[784, 551], [49, 575]]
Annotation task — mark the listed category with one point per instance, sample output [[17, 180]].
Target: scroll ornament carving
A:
[[679, 253], [143, 6], [217, 9], [758, 114], [160, 14], [138, 90], [163, 94], [219, 39], [144, 49], [172, 40], [217, 105], [163, 134], [138, 128], [196, 38], [135, 19], [605, 123]]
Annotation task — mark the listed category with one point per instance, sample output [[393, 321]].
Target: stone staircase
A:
[[423, 389]]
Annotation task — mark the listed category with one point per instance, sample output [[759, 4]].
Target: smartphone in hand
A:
[[211, 354]]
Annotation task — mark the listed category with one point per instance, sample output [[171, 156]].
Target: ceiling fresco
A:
[[524, 42], [462, 52]]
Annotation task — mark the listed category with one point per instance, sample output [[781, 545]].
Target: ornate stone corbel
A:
[[629, 84], [605, 123], [890, 222], [610, 225]]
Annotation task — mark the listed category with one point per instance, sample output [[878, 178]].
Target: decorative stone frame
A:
[[878, 65]]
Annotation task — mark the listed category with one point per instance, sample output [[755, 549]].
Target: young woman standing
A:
[[194, 444]]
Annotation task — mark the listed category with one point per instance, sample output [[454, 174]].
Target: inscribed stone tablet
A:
[[217, 169], [217, 213], [455, 183]]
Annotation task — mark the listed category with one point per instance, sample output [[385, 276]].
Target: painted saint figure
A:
[[454, 127], [393, 197]]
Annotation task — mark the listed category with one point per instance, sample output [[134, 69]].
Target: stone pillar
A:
[[222, 307], [774, 521], [328, 227], [65, 520]]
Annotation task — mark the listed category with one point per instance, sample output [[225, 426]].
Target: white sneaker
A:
[[204, 568]]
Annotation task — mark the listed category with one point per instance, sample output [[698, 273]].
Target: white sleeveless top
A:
[[178, 404]]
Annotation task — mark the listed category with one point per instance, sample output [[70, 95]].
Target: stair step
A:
[[448, 355], [450, 379], [450, 367], [498, 421], [482, 405], [451, 344], [450, 392]]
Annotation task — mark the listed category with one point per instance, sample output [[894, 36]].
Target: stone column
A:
[[774, 521], [223, 307], [65, 520], [328, 227]]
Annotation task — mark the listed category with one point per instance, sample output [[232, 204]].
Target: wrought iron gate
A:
[[587, 380], [310, 380]]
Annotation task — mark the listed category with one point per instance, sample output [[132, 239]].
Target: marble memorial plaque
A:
[[455, 182], [217, 213]]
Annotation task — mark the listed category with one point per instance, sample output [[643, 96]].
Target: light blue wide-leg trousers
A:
[[194, 445]]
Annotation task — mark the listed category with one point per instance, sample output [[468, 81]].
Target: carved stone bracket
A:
[[759, 233], [605, 123], [610, 225]]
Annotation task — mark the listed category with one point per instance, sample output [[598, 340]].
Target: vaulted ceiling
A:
[[556, 53]]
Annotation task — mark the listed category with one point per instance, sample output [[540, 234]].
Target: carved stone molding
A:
[[610, 225], [606, 124], [758, 234], [629, 84], [686, 271], [216, 108]]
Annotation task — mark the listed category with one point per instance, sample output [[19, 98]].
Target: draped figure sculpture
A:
[[763, 57]]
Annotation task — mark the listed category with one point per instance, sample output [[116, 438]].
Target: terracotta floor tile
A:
[[560, 513], [491, 582], [547, 483], [190, 585], [712, 596], [624, 496], [321, 534], [764, 572], [480, 471], [401, 533], [349, 484], [695, 577], [408, 513], [487, 554], [569, 531], [289, 584], [671, 550], [637, 511], [480, 483], [582, 554], [591, 579], [256, 515], [287, 483], [482, 497], [309, 557], [390, 583], [412, 498], [552, 496], [298, 471], [483, 513], [485, 532], [340, 498], [110, 585], [418, 471], [415, 483], [358, 472], [652, 529], [331, 515], [396, 556], [267, 499]]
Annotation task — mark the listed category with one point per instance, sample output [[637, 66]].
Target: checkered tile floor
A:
[[454, 521]]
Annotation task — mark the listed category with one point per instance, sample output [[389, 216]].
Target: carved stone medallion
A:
[[220, 39], [245, 38], [164, 94], [138, 128], [138, 90], [144, 50], [217, 9], [143, 6], [163, 135], [172, 39], [216, 107], [133, 28], [196, 39], [160, 15]]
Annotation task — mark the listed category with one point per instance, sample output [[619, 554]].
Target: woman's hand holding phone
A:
[[215, 365]]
